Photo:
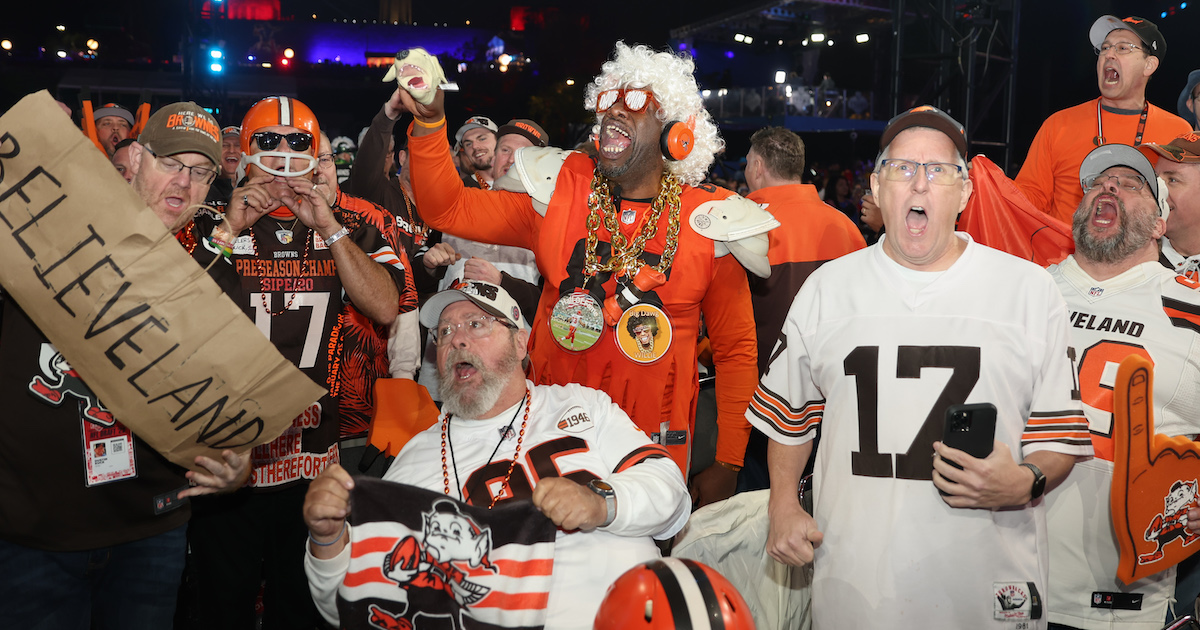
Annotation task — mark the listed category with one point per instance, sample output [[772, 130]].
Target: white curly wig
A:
[[670, 77]]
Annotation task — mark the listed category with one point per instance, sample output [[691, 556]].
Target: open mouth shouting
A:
[[464, 370], [614, 140], [174, 202], [916, 221], [1105, 211], [462, 364], [1112, 76]]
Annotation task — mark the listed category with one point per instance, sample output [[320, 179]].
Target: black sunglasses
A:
[[268, 140]]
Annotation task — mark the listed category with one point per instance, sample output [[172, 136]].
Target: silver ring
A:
[[246, 199]]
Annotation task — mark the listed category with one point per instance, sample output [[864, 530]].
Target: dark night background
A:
[[1056, 66]]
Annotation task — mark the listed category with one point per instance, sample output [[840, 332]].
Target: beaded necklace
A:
[[511, 466], [303, 270]]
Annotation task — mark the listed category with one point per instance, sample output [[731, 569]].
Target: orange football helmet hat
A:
[[672, 593], [274, 111]]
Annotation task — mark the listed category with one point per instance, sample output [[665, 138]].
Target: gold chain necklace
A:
[[511, 467], [625, 259]]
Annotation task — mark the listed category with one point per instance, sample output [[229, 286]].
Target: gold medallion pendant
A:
[[644, 333]]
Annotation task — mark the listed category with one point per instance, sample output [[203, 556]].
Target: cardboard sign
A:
[[1154, 480], [152, 335]]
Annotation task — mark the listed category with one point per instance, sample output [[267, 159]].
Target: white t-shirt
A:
[[1109, 321], [874, 361], [574, 432]]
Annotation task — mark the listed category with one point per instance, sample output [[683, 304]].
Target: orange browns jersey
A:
[[873, 354], [811, 233], [1151, 312], [1050, 174], [659, 396], [363, 342]]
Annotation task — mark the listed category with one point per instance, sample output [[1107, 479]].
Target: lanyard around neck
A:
[[1141, 129]]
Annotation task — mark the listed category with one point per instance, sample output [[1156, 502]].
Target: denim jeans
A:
[[128, 586]]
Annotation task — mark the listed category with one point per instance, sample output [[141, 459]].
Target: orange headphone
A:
[[677, 139], [675, 142]]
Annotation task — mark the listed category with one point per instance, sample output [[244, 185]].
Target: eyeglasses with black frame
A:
[[1129, 181], [269, 140], [477, 327], [1123, 48], [198, 174], [941, 173], [635, 99]]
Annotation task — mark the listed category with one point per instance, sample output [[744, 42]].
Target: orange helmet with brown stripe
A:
[[275, 111], [672, 593]]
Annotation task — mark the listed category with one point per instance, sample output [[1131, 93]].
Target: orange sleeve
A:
[[1036, 177], [497, 217], [729, 318]]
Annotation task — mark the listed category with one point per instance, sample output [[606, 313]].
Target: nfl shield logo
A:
[[1096, 598], [1096, 291]]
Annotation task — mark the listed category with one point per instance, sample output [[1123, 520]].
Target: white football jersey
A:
[[1152, 312], [574, 432], [874, 360]]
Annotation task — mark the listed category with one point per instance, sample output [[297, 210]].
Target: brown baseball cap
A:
[[926, 116], [527, 128], [1184, 149], [183, 128]]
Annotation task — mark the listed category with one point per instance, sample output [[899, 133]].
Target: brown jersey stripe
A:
[[1182, 314], [641, 454]]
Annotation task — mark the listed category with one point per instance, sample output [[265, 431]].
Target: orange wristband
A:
[[433, 125]]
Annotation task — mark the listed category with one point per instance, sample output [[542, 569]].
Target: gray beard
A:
[[1133, 235], [464, 401]]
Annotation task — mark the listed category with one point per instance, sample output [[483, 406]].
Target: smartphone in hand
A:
[[971, 429]]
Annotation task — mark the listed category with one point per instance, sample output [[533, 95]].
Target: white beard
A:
[[463, 401]]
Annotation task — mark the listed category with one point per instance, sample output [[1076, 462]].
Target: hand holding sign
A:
[[145, 328], [1154, 481]]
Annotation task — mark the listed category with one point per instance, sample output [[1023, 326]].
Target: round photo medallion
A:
[[576, 321], [644, 333]]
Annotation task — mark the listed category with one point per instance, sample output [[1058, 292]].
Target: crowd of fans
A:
[[555, 305]]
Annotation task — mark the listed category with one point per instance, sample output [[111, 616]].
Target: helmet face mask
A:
[[294, 164], [275, 112]]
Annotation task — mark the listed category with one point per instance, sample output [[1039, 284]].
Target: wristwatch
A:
[[1039, 481], [602, 488]]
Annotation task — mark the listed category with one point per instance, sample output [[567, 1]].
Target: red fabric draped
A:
[[1000, 216]]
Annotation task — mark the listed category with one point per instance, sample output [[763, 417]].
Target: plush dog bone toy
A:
[[418, 72]]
